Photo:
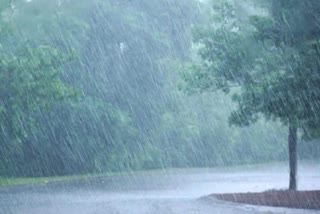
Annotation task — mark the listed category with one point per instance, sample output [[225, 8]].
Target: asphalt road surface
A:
[[176, 191]]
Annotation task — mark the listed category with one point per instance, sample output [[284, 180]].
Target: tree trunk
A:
[[292, 140]]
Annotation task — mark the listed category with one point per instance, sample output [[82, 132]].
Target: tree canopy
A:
[[268, 61], [92, 86]]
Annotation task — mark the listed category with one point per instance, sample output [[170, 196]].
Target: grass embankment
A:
[[45, 180]]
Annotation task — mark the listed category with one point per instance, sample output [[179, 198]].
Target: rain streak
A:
[[159, 106]]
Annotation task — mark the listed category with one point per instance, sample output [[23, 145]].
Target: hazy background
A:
[[117, 101]]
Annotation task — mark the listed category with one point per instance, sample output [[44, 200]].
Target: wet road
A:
[[159, 192]]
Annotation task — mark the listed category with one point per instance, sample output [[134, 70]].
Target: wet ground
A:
[[158, 192]]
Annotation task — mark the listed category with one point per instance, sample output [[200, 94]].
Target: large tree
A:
[[271, 66], [30, 84]]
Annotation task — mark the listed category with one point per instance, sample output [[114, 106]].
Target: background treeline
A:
[[95, 86]]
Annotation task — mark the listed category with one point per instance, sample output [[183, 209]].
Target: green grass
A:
[[46, 180]]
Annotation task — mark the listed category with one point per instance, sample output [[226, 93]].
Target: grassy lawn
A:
[[45, 180]]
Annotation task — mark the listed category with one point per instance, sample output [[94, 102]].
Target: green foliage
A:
[[34, 87], [107, 130], [91, 86], [276, 70], [30, 84], [270, 64]]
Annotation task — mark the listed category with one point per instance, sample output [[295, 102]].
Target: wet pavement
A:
[[176, 191]]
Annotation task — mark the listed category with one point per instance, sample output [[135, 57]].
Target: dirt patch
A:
[[290, 199]]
